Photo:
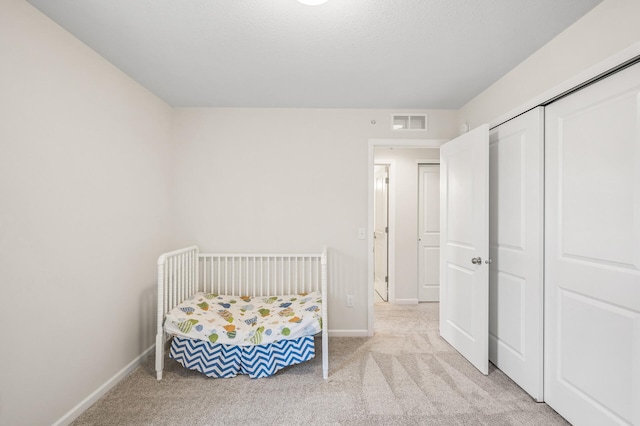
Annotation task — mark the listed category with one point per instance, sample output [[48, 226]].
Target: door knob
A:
[[476, 260]]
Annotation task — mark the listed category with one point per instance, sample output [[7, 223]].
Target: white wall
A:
[[405, 229], [611, 28], [285, 180], [84, 213]]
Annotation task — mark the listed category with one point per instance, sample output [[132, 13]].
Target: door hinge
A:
[[386, 229], [386, 280], [386, 180]]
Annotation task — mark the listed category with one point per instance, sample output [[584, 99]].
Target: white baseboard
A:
[[99, 393], [404, 302], [348, 333]]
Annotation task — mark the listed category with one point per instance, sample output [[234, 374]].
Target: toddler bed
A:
[[234, 314]]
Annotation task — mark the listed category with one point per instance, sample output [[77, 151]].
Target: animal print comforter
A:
[[246, 321]]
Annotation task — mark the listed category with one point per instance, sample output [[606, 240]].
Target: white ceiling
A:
[[343, 54]]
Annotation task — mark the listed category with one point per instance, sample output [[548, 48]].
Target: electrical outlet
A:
[[350, 301]]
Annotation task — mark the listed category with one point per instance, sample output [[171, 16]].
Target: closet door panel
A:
[[592, 306], [515, 240]]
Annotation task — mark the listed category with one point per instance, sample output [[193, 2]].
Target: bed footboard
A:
[[182, 273]]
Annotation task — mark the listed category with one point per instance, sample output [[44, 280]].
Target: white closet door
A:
[[516, 209], [592, 254], [464, 245]]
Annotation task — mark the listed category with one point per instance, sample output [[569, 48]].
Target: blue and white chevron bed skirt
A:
[[221, 360]]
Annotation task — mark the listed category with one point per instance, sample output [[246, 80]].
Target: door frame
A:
[[389, 143]]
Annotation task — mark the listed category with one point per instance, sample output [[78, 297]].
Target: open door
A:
[[464, 245], [381, 231]]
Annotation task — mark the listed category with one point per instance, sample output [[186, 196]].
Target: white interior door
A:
[[381, 230], [464, 247], [429, 233], [516, 210], [592, 252]]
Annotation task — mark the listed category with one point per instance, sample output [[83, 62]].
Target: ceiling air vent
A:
[[409, 122]]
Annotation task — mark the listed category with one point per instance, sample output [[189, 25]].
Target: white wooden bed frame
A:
[[184, 272]]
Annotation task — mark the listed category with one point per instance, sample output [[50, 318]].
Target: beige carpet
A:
[[401, 376]]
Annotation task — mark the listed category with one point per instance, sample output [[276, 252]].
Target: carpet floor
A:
[[404, 375]]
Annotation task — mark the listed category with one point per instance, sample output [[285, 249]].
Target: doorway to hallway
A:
[[403, 158]]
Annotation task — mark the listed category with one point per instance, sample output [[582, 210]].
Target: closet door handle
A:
[[476, 260]]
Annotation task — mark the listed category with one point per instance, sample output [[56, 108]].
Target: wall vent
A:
[[409, 122]]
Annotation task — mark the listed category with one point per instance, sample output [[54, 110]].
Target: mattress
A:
[[246, 321], [225, 361]]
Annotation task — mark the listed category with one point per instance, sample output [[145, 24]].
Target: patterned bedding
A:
[[246, 321]]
